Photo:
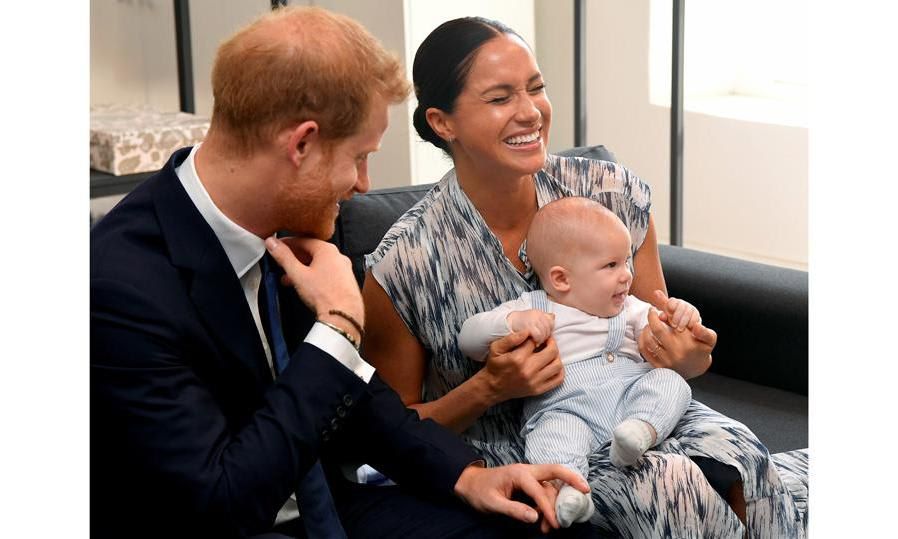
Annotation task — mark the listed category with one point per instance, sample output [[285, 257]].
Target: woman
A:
[[459, 251]]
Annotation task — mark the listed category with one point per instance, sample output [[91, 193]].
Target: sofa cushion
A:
[[760, 313], [778, 418]]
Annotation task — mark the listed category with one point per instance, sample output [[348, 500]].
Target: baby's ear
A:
[[558, 279]]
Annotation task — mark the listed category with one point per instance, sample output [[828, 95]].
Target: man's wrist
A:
[[359, 326], [464, 476], [341, 323], [347, 331]]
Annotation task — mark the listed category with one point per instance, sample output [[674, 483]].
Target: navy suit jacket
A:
[[190, 435]]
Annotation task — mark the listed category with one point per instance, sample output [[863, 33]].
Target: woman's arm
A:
[[648, 276], [513, 368], [688, 353]]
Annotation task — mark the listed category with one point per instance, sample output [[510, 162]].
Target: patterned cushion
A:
[[128, 140]]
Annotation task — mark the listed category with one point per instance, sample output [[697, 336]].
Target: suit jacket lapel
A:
[[213, 286]]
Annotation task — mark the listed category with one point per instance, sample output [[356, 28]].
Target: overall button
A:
[[610, 357]]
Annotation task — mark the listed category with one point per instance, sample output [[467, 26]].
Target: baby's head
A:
[[580, 250]]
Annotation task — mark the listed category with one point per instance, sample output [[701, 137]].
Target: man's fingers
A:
[[305, 246], [549, 472], [516, 510], [546, 525], [538, 494], [283, 256], [300, 248]]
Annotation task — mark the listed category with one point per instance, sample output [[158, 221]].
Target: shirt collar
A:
[[243, 248]]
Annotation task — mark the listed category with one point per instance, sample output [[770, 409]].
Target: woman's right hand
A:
[[686, 352], [517, 367]]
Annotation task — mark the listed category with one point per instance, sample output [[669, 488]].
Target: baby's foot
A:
[[632, 437], [571, 506]]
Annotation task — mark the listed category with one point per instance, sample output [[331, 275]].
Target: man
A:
[[209, 414]]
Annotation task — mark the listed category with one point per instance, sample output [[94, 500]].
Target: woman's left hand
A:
[[686, 352]]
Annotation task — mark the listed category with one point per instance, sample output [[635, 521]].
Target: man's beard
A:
[[313, 213]]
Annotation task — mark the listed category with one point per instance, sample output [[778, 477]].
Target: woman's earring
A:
[[451, 140]]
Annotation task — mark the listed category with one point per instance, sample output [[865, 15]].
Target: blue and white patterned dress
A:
[[440, 264]]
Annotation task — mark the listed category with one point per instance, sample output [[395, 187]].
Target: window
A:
[[743, 59]]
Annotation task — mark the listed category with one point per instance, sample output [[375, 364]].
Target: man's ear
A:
[[558, 279], [440, 123], [302, 140]]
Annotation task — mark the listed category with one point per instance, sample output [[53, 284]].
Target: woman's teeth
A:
[[523, 139]]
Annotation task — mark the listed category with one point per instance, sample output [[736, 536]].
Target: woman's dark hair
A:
[[442, 64]]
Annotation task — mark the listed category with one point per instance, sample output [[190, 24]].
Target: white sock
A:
[[571, 506], [632, 437]]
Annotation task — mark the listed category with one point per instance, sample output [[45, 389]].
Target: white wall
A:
[[133, 52], [554, 22], [211, 22]]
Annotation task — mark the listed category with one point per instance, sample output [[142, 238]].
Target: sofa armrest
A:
[[760, 314]]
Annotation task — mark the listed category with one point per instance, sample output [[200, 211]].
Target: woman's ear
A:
[[558, 279], [302, 140], [440, 122]]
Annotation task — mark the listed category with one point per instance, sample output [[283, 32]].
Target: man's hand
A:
[[538, 324], [490, 490], [322, 277], [514, 368]]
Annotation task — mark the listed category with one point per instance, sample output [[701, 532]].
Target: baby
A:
[[581, 252]]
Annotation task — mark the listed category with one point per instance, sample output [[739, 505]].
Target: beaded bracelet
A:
[[350, 319], [342, 332]]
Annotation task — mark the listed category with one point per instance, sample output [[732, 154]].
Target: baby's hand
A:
[[679, 314], [537, 323]]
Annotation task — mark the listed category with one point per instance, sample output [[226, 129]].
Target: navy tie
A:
[[319, 516]]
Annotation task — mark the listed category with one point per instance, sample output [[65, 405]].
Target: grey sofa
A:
[[760, 371]]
